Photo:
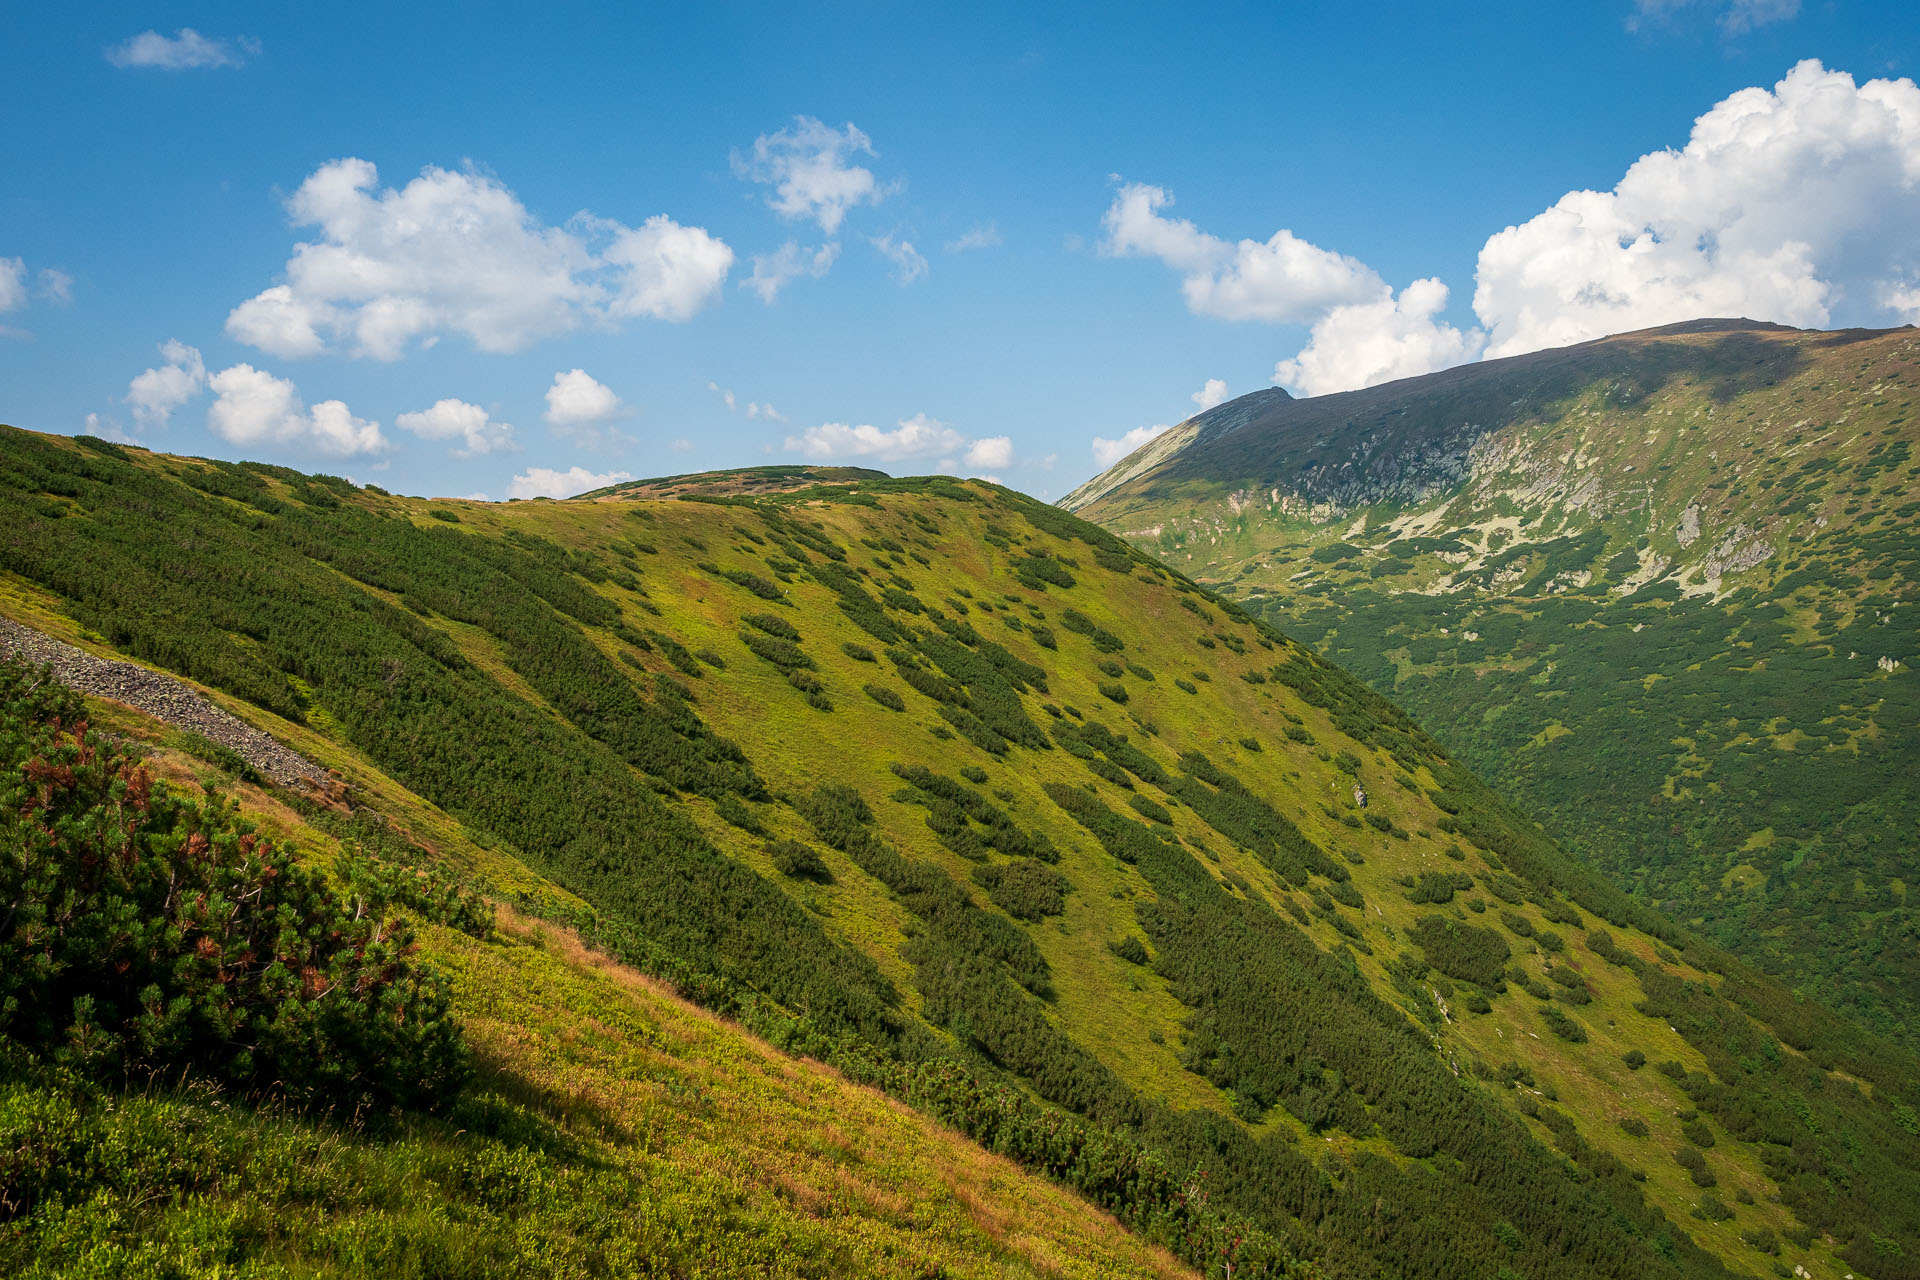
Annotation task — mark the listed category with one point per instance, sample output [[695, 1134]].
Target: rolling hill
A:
[[1661, 588], [957, 794]]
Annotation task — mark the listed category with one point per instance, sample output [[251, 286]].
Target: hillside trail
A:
[[165, 699]]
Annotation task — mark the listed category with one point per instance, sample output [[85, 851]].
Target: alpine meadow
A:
[[922, 781], [1071, 642]]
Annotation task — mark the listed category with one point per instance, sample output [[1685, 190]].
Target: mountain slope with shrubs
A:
[[1662, 588], [961, 795]]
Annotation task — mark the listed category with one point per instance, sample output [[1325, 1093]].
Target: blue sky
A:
[[487, 250]]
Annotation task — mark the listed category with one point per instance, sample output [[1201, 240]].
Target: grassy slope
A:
[[1713, 729], [615, 1127], [1131, 1019]]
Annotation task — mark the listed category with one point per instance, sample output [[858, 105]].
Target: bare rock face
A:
[[1689, 531], [165, 699]]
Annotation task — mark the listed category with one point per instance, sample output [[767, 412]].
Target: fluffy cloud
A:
[[545, 482], [1365, 344], [184, 50], [155, 394], [1788, 204], [915, 437], [808, 168], [908, 263], [1215, 392], [1282, 280], [1107, 452], [984, 236], [989, 453], [575, 399], [451, 419], [252, 407], [662, 269], [1798, 204], [458, 252], [774, 271]]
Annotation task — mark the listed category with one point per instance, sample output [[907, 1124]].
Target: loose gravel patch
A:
[[163, 698]]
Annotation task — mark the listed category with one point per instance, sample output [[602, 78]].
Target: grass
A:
[[615, 1129]]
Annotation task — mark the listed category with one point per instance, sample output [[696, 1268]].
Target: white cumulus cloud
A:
[[1213, 393], [774, 271], [451, 419], [809, 168], [575, 399], [457, 252], [909, 264], [1107, 452], [1798, 204], [545, 482], [252, 407], [1365, 344], [1794, 204], [578, 406], [156, 393], [184, 50], [1282, 279], [915, 437], [990, 453]]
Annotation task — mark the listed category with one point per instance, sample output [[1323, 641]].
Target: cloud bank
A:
[[1798, 204]]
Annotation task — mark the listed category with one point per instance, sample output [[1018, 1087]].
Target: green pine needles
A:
[[146, 933]]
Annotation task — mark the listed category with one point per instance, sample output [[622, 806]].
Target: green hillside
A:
[[960, 795], [1660, 587]]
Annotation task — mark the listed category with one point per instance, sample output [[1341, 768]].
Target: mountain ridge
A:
[[1659, 585]]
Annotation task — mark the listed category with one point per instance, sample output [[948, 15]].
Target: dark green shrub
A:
[[781, 653], [858, 652], [776, 626], [1563, 1026], [1634, 1059], [1697, 1132], [1633, 1126], [973, 773], [1130, 949], [147, 931], [1462, 951], [1114, 692], [885, 697], [447, 514], [734, 812], [1024, 889], [1149, 808], [791, 858]]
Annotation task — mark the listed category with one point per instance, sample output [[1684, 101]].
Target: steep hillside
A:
[[1661, 587], [958, 793], [613, 1127]]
